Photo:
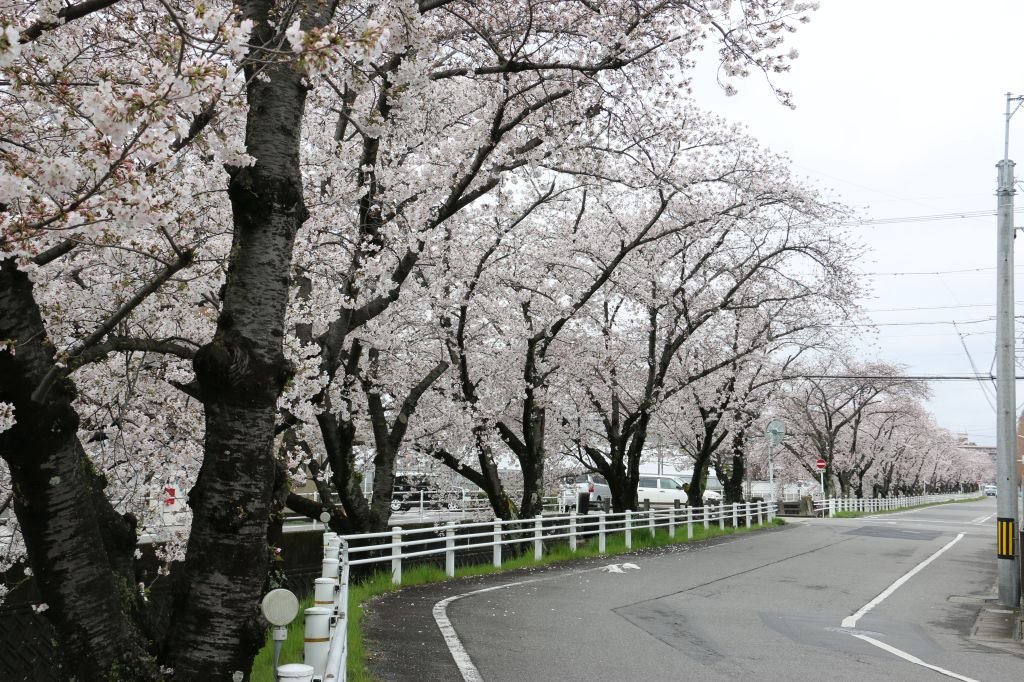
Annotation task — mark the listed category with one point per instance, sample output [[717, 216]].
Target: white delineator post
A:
[[538, 537], [317, 638]]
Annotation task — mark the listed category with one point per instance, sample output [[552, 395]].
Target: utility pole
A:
[[1006, 418]]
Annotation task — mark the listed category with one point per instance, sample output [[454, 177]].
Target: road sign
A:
[[820, 464]]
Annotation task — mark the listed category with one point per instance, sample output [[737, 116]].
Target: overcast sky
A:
[[900, 110]]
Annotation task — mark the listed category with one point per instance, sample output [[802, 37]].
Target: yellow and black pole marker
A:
[[1005, 534]]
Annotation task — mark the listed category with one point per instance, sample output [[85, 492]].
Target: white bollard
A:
[[330, 537], [325, 593], [295, 672], [689, 523], [704, 515], [572, 531], [650, 521], [629, 529], [721, 517], [600, 533], [317, 639], [735, 516], [538, 535], [672, 522], [332, 551], [330, 569]]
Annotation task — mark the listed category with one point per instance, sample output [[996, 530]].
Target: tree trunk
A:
[[79, 549], [242, 372]]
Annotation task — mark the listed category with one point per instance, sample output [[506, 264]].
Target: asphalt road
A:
[[768, 606]]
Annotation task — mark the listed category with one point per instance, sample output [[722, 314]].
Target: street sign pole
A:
[[821, 464], [775, 435]]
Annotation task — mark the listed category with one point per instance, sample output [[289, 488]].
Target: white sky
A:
[[900, 110]]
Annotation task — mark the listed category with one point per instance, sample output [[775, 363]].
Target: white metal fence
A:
[[834, 505], [326, 628]]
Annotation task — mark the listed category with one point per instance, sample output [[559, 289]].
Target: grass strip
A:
[[380, 583]]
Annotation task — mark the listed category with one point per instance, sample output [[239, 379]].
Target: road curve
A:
[[908, 587]]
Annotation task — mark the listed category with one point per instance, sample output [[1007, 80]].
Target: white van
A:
[[665, 490]]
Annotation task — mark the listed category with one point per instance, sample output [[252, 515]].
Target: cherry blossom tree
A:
[[158, 148]]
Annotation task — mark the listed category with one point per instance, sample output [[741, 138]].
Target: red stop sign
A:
[[820, 464]]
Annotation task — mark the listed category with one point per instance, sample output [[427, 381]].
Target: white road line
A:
[[459, 653], [851, 621], [913, 659], [982, 519]]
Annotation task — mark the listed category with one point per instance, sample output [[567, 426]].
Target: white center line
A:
[[851, 621]]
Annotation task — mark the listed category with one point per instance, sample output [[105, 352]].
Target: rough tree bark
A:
[[79, 548], [242, 372]]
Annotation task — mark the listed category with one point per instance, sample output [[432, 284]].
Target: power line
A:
[[929, 272], [960, 215], [910, 324], [984, 389]]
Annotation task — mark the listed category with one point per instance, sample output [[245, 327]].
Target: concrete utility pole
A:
[[1006, 418]]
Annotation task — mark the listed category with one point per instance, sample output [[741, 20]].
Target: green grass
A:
[[857, 514], [380, 583]]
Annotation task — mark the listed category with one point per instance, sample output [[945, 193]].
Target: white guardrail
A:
[[326, 623], [833, 505]]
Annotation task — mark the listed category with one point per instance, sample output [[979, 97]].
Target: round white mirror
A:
[[279, 606]]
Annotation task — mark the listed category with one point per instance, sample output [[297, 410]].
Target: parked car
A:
[[991, 490], [410, 493], [569, 488], [665, 490]]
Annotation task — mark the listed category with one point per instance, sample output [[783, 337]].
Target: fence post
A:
[[317, 639], [746, 511], [600, 532], [324, 590], [735, 516], [759, 507], [497, 543], [672, 519], [538, 534], [572, 531], [629, 529], [721, 517], [449, 549], [831, 507], [650, 520], [396, 555], [704, 515]]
